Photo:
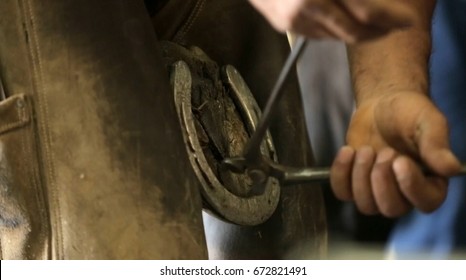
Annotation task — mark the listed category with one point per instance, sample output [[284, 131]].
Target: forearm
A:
[[395, 63]]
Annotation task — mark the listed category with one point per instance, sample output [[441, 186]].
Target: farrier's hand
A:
[[388, 135], [347, 20]]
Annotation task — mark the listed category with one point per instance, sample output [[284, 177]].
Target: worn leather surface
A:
[[24, 220], [96, 168], [232, 32]]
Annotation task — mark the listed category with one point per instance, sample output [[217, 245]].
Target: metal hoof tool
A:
[[260, 168], [286, 175]]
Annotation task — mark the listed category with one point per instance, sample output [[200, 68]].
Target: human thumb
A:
[[434, 148]]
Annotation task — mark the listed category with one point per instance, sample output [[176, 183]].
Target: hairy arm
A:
[[397, 62], [395, 127]]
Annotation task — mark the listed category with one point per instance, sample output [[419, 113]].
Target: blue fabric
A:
[[438, 234]]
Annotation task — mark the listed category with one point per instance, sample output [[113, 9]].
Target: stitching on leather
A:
[[26, 156], [43, 107], [11, 126], [190, 21], [30, 148], [23, 118], [35, 174]]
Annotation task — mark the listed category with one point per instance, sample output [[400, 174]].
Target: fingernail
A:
[[451, 163], [401, 168], [449, 156], [398, 170], [345, 155]]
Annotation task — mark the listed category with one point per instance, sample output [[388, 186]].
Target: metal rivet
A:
[[20, 103]]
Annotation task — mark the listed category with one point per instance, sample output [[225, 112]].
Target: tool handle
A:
[[315, 175]]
